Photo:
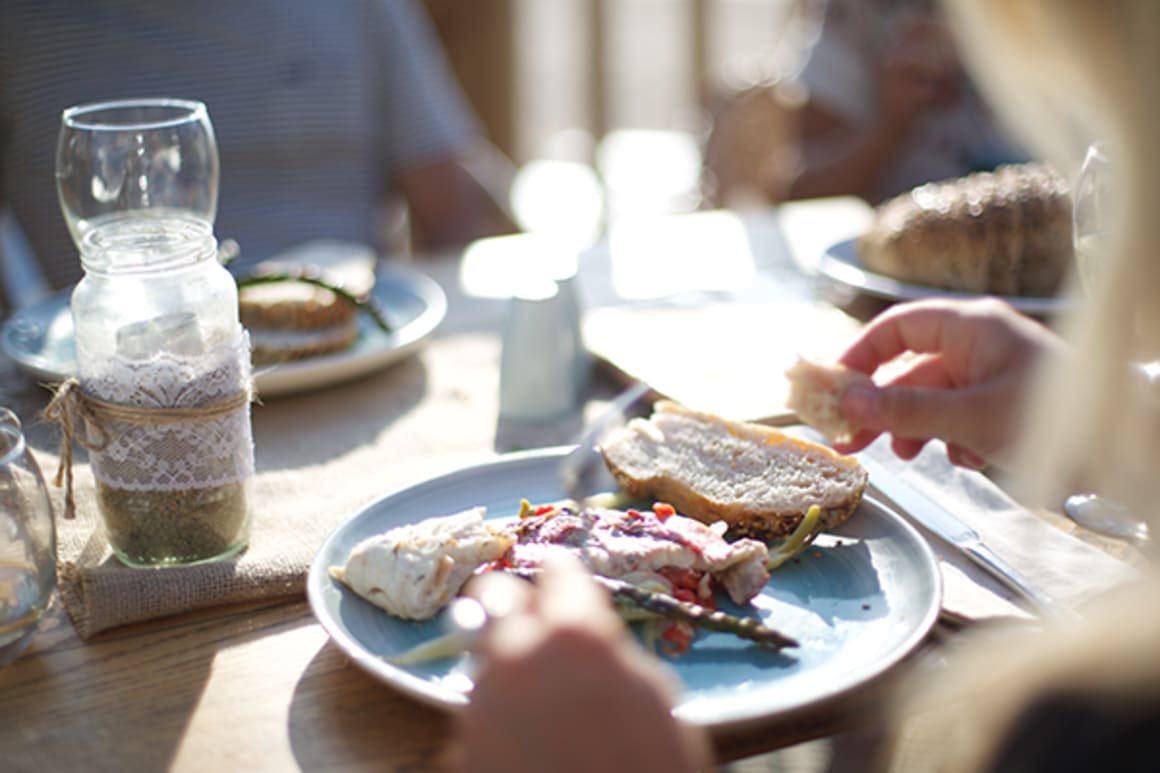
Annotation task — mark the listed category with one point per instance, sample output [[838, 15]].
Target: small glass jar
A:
[[27, 541], [164, 369]]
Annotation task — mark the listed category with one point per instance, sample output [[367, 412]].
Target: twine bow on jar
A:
[[81, 416]]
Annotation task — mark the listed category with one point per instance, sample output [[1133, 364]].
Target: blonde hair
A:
[[1064, 73]]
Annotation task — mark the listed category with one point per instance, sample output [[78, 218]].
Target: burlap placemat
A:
[[321, 457]]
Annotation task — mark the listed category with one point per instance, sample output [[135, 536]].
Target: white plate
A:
[[39, 337], [841, 264], [858, 602]]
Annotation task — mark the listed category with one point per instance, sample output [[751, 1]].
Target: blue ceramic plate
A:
[[858, 601], [841, 264], [39, 337]]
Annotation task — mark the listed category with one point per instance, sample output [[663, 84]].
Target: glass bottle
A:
[[27, 540], [164, 367]]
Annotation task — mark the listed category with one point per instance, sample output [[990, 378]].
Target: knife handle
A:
[[1044, 604]]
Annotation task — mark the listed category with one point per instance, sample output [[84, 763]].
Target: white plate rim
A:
[[320, 584], [373, 351], [841, 264]]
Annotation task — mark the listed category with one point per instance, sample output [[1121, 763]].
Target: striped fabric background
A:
[[315, 104]]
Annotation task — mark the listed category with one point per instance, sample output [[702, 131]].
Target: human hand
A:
[[563, 687], [967, 386]]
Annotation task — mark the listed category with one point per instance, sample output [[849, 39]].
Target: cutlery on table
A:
[[935, 517]]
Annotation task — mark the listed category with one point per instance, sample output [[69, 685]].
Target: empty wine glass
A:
[[134, 158], [1092, 211], [27, 541]]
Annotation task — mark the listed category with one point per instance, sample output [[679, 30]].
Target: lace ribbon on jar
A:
[[168, 423]]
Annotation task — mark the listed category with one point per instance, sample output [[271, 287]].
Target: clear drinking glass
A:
[[1093, 208], [27, 540], [1091, 213], [134, 158]]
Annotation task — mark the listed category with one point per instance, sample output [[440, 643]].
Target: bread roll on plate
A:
[[1006, 232], [761, 482], [294, 320]]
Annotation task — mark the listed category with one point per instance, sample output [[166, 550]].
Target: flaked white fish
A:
[[413, 571]]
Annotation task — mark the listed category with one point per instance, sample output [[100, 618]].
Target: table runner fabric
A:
[[297, 507], [321, 458]]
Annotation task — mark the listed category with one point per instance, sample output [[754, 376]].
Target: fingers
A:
[[897, 330], [511, 628], [954, 330], [964, 457], [564, 598], [569, 597], [853, 445], [912, 412], [967, 376], [557, 670], [907, 448]]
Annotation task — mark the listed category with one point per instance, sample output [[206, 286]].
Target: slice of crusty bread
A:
[[269, 346], [815, 395], [758, 480], [293, 306], [296, 320]]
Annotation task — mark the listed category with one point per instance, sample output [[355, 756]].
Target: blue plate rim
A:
[[373, 351], [440, 696]]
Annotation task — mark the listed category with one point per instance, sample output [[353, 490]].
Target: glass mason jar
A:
[[164, 371], [27, 541]]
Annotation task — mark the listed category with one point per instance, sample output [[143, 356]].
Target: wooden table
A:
[[260, 686]]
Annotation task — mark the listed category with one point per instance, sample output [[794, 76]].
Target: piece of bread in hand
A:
[[815, 395], [761, 482]]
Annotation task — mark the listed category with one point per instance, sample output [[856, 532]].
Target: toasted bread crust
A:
[[740, 521], [268, 347], [795, 473], [293, 306]]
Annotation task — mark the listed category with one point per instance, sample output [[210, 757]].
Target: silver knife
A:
[[939, 520]]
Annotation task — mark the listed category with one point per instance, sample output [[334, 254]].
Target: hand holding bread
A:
[[966, 369]]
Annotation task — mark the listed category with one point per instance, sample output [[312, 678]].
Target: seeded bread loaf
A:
[[758, 480], [1006, 232]]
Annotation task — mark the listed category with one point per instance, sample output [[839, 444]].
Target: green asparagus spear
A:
[[625, 594], [802, 537], [667, 606]]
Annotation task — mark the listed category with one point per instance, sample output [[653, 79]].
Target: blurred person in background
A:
[[888, 105], [327, 115], [1058, 695]]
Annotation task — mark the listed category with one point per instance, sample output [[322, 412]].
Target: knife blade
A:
[[924, 510]]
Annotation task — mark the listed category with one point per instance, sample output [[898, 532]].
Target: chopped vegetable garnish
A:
[[806, 532]]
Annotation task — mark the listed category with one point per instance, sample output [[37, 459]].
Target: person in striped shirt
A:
[[328, 116]]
